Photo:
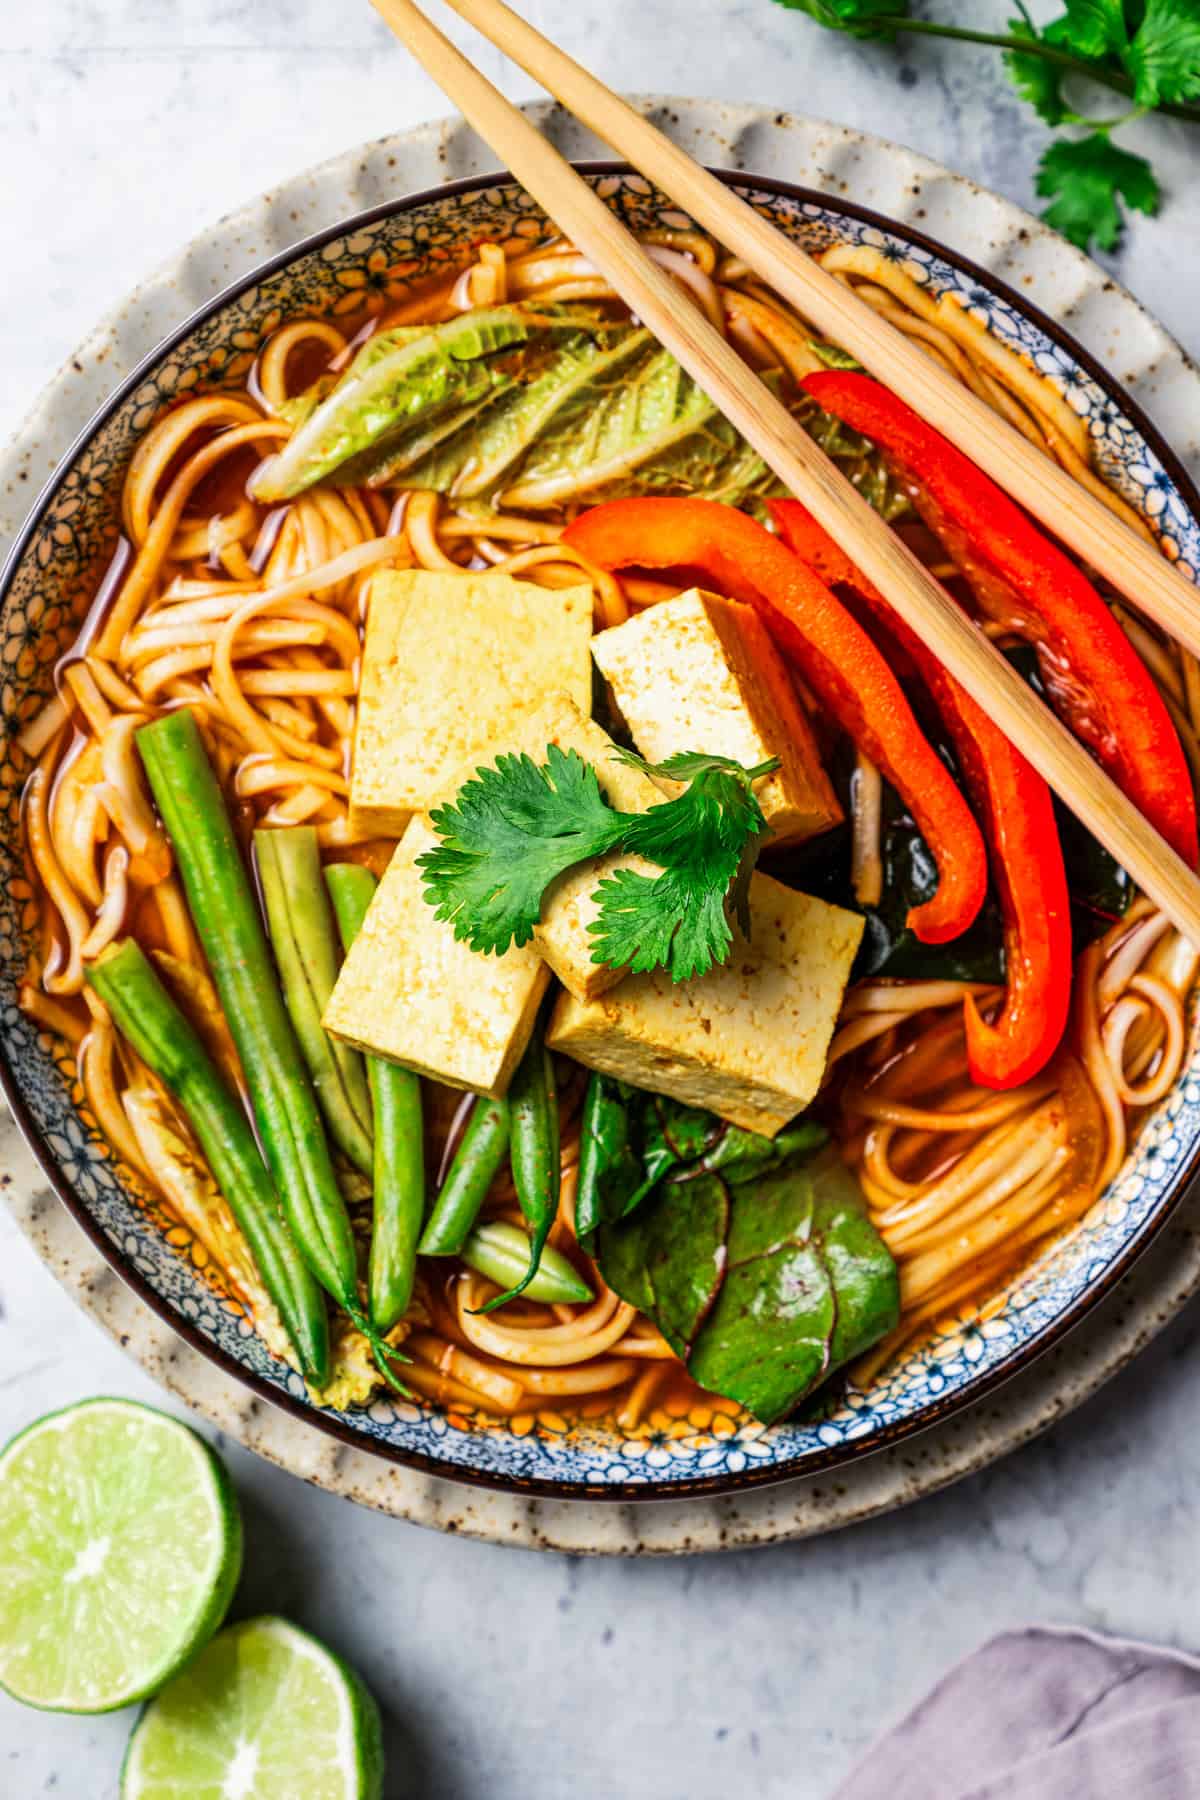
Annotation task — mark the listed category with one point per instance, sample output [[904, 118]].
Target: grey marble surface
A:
[[503, 1674]]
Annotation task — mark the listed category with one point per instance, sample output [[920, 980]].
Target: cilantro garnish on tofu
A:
[[515, 827]]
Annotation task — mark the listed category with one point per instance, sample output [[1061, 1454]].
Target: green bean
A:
[[305, 945], [476, 1163], [399, 1161], [226, 916], [169, 1046], [501, 1252], [536, 1160]]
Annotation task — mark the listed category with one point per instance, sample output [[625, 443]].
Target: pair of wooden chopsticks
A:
[[1073, 514]]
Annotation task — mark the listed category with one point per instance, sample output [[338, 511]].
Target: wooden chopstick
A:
[[1094, 532], [805, 470]]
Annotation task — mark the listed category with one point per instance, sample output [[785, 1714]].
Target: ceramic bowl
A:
[[50, 576]]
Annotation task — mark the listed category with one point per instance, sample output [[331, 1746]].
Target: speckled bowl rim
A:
[[970, 1392]]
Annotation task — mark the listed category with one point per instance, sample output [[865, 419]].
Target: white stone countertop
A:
[[502, 1674]]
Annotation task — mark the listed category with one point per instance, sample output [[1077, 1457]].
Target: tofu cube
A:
[[749, 1039], [409, 991], [568, 909], [451, 662], [700, 673]]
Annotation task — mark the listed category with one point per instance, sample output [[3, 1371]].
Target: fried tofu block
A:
[[748, 1040], [451, 662], [568, 909], [410, 992], [700, 673]]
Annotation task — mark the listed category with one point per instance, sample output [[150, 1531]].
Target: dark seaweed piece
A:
[[1100, 889]]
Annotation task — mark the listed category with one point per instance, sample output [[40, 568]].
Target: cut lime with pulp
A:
[[120, 1548], [264, 1713]]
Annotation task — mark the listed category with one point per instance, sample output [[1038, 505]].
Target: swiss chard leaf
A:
[[741, 1155], [858, 1260], [631, 1140], [617, 1166], [669, 1259], [764, 1285], [768, 1340]]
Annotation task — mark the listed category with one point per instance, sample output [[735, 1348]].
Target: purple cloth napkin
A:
[[1046, 1714]]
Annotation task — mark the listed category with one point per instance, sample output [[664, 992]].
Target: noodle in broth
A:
[[251, 615]]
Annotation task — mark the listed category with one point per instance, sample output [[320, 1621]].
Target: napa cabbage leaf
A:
[[399, 380]]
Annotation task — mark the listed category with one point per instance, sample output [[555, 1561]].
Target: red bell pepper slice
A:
[[838, 660], [1093, 675], [1018, 816]]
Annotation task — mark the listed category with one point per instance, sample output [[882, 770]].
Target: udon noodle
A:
[[252, 616]]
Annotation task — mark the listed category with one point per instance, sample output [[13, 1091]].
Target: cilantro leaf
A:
[[684, 765], [1164, 57], [857, 18], [510, 831], [1036, 80], [1145, 50], [1091, 28], [705, 843], [660, 921], [513, 829], [1084, 180]]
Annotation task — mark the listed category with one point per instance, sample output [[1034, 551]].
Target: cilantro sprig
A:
[[514, 828], [1147, 51]]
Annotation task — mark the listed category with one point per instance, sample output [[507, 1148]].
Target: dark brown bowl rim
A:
[[701, 1487]]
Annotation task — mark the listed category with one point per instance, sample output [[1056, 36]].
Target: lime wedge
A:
[[120, 1548], [264, 1713]]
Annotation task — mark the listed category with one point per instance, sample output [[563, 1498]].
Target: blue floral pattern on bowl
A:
[[47, 588]]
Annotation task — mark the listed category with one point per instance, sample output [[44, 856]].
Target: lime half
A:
[[264, 1713], [120, 1548]]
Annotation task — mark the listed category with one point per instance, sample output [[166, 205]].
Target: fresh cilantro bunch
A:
[[1145, 50], [513, 829]]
